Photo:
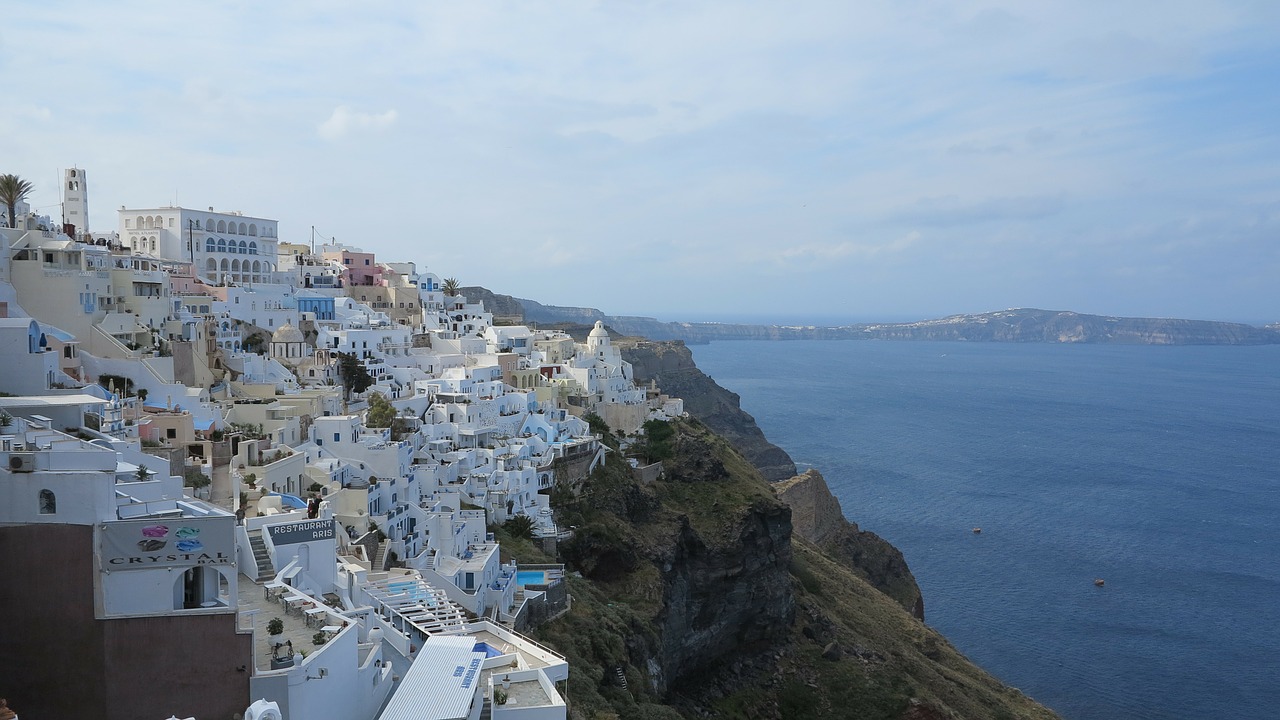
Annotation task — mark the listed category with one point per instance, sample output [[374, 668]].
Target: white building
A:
[[224, 247]]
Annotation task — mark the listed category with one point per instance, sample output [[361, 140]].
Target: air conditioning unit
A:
[[22, 462]]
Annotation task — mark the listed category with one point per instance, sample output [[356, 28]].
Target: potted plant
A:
[[275, 628], [499, 696]]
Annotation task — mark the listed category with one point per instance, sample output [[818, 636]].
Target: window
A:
[[366, 261], [337, 437], [48, 503], [171, 433]]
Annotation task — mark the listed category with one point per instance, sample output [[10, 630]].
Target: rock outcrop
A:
[[816, 516]]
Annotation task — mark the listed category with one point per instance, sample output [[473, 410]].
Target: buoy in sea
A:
[[1099, 582], [977, 531]]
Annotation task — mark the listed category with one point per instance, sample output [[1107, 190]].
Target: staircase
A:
[[620, 677], [486, 710], [261, 556], [380, 557]]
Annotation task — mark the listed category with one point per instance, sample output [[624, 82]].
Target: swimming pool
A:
[[487, 649], [531, 577]]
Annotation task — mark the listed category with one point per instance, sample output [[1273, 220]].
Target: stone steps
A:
[[261, 556]]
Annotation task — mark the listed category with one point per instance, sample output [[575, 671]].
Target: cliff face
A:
[[700, 561], [696, 590], [672, 366], [817, 517]]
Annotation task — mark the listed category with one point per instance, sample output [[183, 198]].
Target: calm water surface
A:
[[1155, 468]]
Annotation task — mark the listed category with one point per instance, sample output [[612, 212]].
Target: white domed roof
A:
[[598, 331], [287, 333]]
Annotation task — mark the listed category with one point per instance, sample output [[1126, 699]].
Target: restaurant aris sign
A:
[[302, 531]]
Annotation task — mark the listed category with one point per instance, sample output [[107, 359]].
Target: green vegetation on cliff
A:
[[696, 588]]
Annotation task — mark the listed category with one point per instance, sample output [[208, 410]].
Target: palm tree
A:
[[13, 190], [450, 286]]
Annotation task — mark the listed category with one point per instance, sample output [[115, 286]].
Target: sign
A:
[[303, 531], [468, 674], [167, 543]]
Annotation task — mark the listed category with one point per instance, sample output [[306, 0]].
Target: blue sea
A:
[[1156, 469]]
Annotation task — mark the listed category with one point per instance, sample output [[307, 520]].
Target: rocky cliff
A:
[[672, 366], [816, 516], [698, 599]]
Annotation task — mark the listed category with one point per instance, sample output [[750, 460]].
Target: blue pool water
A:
[[531, 577], [487, 649], [1155, 468]]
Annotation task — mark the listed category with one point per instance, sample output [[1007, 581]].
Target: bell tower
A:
[[75, 201]]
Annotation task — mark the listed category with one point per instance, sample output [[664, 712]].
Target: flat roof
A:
[[441, 683], [51, 400]]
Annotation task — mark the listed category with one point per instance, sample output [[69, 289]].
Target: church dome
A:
[[598, 332], [287, 333]]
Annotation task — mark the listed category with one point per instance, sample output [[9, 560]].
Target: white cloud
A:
[[344, 120], [721, 140]]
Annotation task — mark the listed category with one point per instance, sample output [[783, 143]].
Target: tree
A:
[[656, 443], [381, 412], [450, 286], [193, 478], [520, 526], [355, 378], [13, 190], [254, 344]]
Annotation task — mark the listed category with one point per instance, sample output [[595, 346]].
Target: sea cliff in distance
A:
[[1016, 325]]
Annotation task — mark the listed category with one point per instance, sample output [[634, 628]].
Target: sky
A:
[[696, 161]]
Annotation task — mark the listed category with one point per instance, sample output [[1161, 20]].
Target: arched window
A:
[[235, 266], [208, 245], [139, 222], [253, 229], [244, 248], [243, 229], [48, 502], [226, 265], [222, 245], [253, 248], [222, 226]]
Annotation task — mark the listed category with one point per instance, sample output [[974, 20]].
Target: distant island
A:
[[1022, 325]]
